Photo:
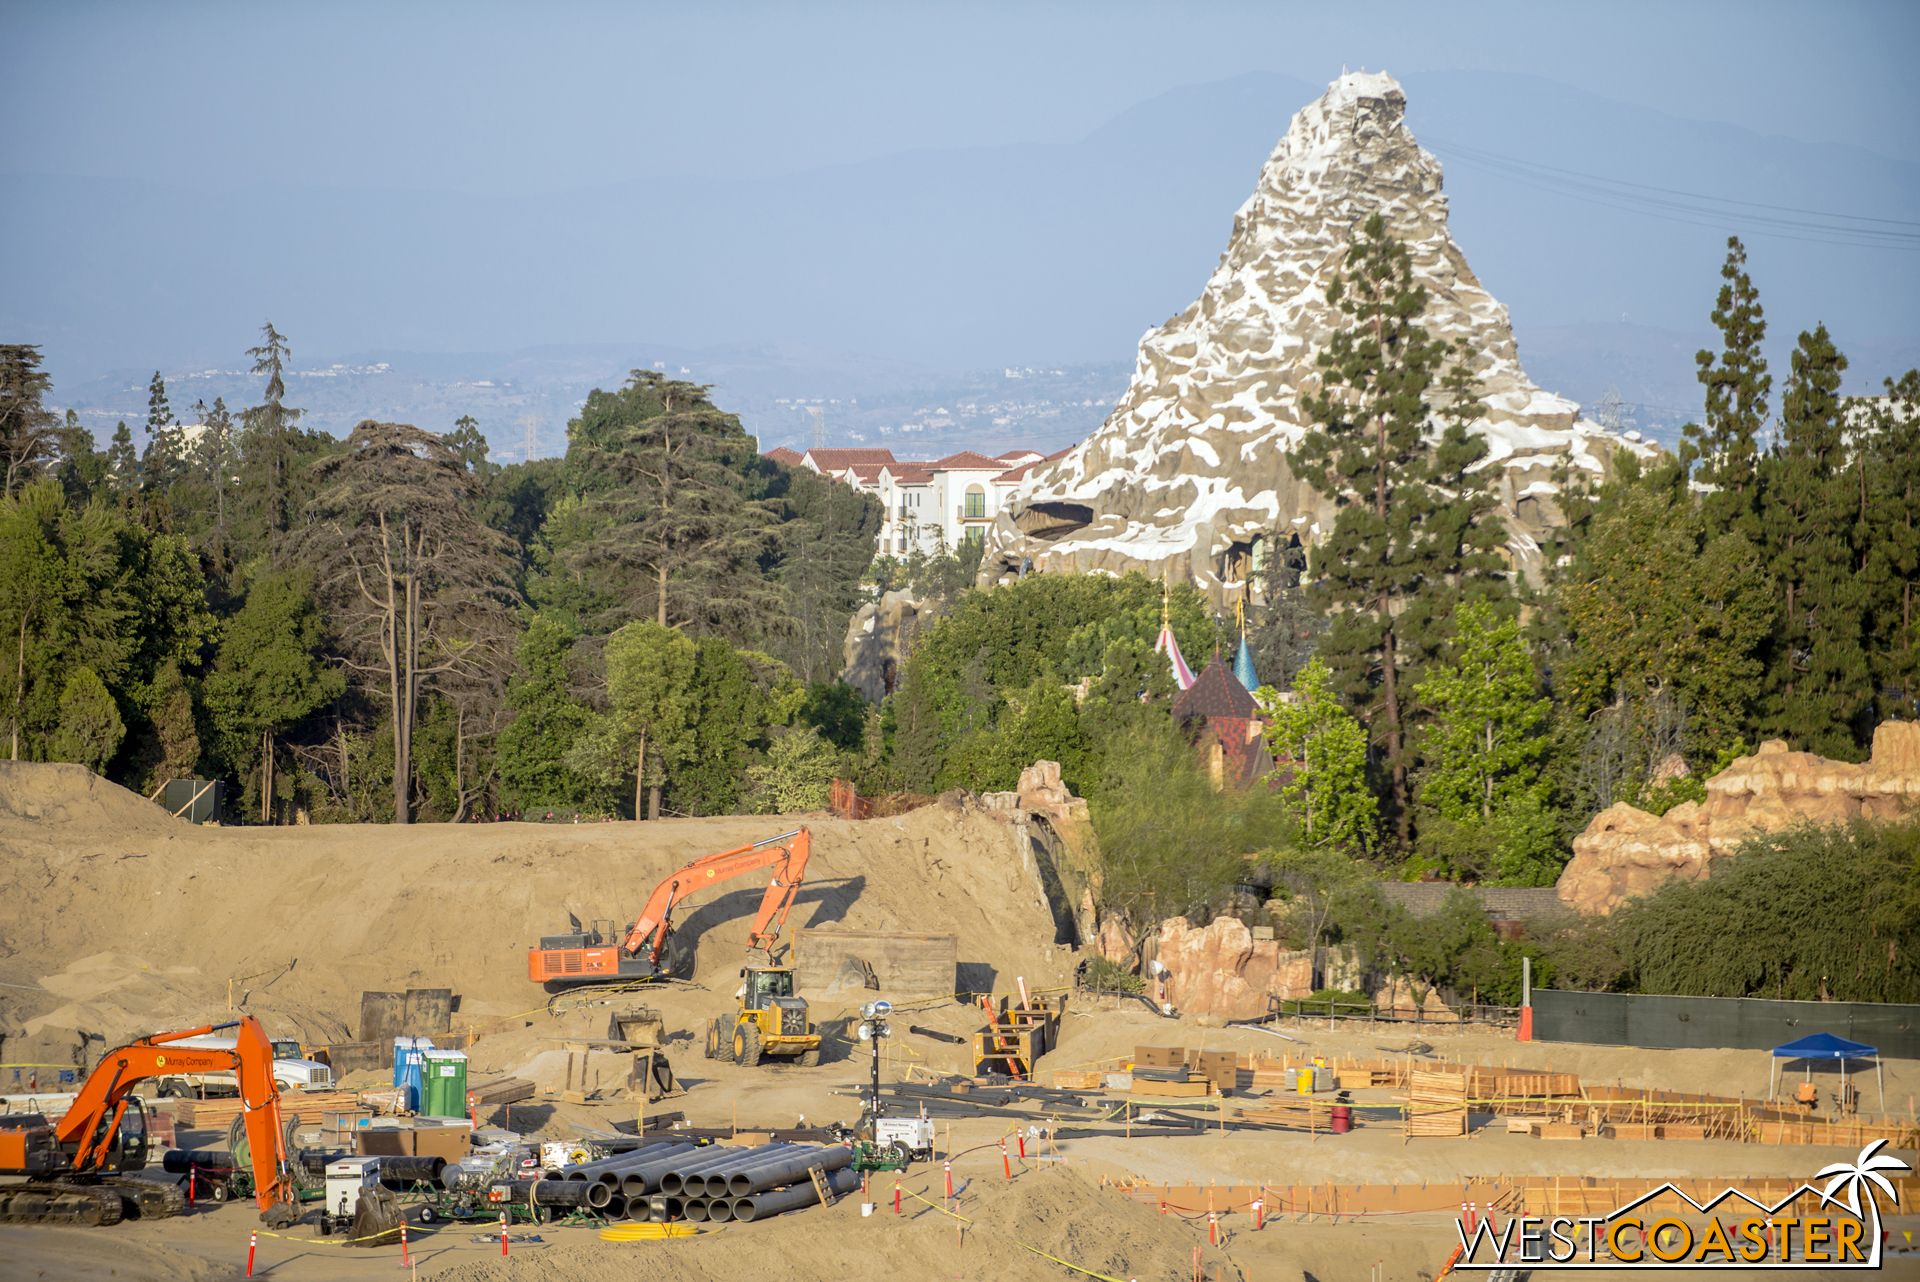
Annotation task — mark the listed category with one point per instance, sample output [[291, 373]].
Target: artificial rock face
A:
[[1626, 852], [1190, 469]]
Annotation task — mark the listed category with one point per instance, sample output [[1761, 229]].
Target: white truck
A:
[[290, 1070]]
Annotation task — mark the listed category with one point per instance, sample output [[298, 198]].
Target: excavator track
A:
[[94, 1206], [151, 1200]]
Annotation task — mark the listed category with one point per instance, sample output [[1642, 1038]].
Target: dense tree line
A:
[[391, 627]]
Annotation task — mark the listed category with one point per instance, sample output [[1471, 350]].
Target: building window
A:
[[976, 503], [976, 533]]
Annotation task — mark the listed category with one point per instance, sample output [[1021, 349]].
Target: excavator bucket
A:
[[377, 1222]]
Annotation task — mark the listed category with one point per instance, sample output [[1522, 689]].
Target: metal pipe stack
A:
[[742, 1187]]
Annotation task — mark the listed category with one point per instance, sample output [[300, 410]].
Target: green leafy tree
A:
[[1654, 601], [171, 741], [1818, 687], [727, 713], [26, 425], [798, 774], [1414, 531], [548, 719], [823, 545], [916, 729], [269, 675], [1890, 463], [646, 728], [470, 447], [1321, 756], [1171, 845], [65, 603], [1485, 746], [838, 712], [90, 727], [1728, 449]]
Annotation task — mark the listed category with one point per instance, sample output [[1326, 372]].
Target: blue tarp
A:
[[1825, 1046]]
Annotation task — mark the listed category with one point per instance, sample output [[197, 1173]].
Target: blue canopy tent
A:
[[1827, 1046]]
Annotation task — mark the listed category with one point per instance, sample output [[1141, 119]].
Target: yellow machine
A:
[[769, 1021]]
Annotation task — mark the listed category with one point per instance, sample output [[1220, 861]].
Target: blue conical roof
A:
[[1243, 667]]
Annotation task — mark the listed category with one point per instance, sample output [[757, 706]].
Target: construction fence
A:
[[1718, 1023]]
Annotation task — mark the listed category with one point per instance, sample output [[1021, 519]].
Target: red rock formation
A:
[[1223, 970], [1626, 852]]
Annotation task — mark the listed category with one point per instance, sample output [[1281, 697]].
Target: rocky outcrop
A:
[[1222, 970], [1626, 852], [878, 638], [1189, 472]]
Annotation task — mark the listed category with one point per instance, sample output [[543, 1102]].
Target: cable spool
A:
[[648, 1232]]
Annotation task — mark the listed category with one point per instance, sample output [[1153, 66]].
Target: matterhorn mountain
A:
[[1188, 477]]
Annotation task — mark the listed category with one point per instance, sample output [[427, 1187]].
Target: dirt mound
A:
[[1015, 1230], [302, 920], [66, 797]]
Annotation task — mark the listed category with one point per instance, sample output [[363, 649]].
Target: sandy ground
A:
[[119, 920]]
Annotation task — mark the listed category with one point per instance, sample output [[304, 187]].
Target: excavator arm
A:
[[94, 1118], [787, 854]]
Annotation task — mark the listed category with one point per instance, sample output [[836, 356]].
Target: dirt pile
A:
[[1626, 852], [303, 919]]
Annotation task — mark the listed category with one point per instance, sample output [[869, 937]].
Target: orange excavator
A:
[[593, 957], [75, 1170]]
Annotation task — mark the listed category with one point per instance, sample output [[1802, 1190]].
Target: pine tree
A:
[[162, 452], [1413, 535], [123, 465], [1728, 449], [27, 426], [267, 433], [1890, 459], [1818, 688]]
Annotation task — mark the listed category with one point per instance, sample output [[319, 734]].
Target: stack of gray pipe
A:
[[601, 1180], [740, 1184]]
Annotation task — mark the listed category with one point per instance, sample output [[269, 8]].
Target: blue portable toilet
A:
[[409, 1060]]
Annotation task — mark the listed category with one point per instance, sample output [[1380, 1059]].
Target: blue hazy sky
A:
[[429, 164]]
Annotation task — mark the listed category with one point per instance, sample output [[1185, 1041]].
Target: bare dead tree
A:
[[419, 589]]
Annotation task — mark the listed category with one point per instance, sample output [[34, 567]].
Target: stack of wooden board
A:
[[1078, 1081], [1300, 1114], [218, 1114], [490, 1092], [1436, 1103]]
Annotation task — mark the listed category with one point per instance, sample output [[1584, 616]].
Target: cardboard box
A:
[[1160, 1056], [1171, 1090], [449, 1142], [1077, 1081]]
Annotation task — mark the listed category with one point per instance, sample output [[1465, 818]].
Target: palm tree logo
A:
[[1863, 1173]]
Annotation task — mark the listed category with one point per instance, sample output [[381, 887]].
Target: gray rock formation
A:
[[878, 638], [1188, 475]]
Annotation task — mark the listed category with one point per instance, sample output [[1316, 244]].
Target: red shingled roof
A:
[[781, 454], [968, 461], [1215, 693]]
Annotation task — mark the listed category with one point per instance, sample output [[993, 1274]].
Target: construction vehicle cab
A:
[[770, 1020]]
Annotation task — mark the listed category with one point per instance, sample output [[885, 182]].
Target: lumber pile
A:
[[1296, 1114], [492, 1091], [1065, 1080], [218, 1114], [1436, 1103]]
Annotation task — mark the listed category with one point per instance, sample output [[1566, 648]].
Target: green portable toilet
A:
[[443, 1084]]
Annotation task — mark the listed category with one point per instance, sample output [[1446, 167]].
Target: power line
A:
[[1686, 207]]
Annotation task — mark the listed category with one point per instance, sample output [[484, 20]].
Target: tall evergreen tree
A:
[[1818, 689], [26, 424], [1728, 448], [1413, 535], [123, 465], [673, 531], [1890, 457], [162, 455], [267, 434]]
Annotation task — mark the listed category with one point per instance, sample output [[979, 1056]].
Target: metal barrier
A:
[[1718, 1023]]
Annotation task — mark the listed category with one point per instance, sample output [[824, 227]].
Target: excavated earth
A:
[[121, 920]]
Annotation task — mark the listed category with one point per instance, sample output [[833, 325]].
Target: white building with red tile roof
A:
[[927, 505]]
